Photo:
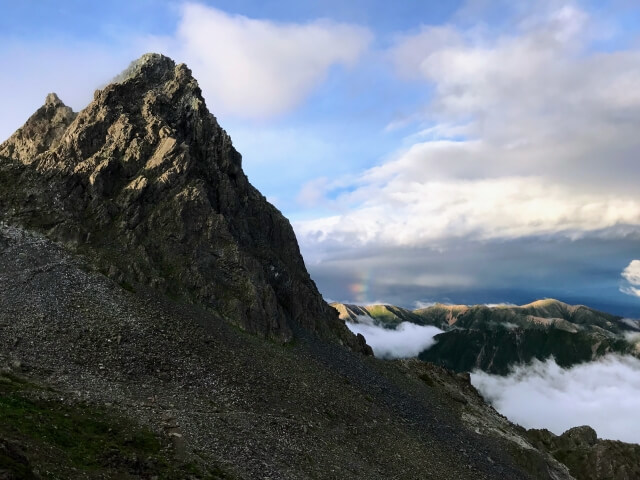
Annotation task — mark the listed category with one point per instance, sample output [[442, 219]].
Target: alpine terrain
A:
[[157, 321]]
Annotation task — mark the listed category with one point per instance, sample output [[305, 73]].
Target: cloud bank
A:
[[528, 132], [603, 394], [406, 341], [402, 210]]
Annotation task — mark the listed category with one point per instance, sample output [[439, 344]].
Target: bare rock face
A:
[[587, 457], [145, 181], [41, 132]]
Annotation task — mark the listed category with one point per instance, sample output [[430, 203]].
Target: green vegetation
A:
[[497, 350], [72, 440]]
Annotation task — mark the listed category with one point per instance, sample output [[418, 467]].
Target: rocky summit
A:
[[157, 321], [145, 181]]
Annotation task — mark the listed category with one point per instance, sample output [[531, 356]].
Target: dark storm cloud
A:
[[585, 270]]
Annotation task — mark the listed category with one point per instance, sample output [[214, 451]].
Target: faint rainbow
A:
[[360, 289]]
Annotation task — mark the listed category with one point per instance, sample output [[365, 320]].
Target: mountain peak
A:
[[41, 132], [145, 180], [545, 302], [150, 66], [150, 119], [52, 99]]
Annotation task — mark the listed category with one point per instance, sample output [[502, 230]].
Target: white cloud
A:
[[363, 320], [629, 290], [603, 394], [631, 323], [538, 98], [407, 340], [632, 272], [632, 337], [406, 208], [547, 140], [632, 275], [259, 68]]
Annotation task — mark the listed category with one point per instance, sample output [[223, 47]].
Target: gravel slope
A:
[[259, 408]]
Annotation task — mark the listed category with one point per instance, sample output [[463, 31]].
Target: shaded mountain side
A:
[[587, 456], [222, 397], [146, 183], [496, 338], [496, 350]]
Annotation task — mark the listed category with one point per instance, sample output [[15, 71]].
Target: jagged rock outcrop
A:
[[587, 456], [145, 181], [41, 132]]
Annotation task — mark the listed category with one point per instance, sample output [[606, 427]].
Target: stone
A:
[[579, 436]]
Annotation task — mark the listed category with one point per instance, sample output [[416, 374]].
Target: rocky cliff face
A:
[[587, 456], [146, 182]]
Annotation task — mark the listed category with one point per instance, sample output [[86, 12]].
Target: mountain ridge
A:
[[496, 338], [146, 180]]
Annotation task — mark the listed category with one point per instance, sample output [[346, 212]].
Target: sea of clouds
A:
[[406, 341], [604, 394]]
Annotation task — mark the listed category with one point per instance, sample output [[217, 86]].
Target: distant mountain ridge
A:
[[494, 338], [388, 316]]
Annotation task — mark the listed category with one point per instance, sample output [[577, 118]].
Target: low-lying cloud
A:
[[406, 341], [630, 322], [603, 394]]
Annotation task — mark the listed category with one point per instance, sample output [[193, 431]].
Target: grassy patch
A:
[[64, 440]]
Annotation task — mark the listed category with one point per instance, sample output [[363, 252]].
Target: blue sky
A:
[[466, 152]]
